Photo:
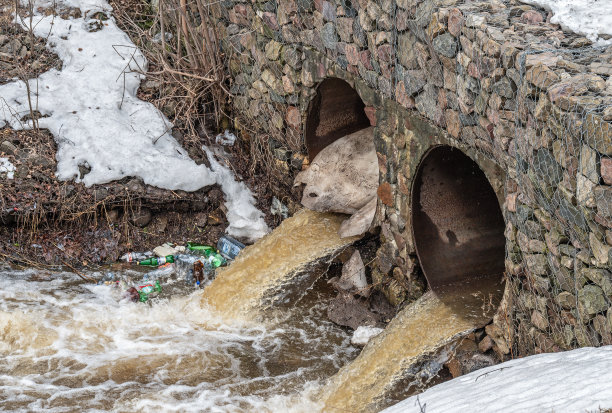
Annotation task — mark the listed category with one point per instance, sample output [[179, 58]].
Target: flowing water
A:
[[66, 345], [277, 269], [421, 329], [256, 339]]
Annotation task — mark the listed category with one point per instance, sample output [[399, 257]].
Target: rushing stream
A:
[[256, 339], [68, 345]]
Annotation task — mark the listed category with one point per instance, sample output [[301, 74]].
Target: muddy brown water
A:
[[249, 342]]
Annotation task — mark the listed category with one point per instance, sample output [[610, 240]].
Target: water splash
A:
[[276, 269], [70, 346], [414, 337]]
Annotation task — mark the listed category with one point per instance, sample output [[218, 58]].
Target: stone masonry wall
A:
[[529, 103]]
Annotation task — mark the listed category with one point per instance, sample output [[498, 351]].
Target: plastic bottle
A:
[[146, 291], [156, 262], [184, 266], [136, 256], [200, 249], [228, 247], [198, 272], [216, 260]]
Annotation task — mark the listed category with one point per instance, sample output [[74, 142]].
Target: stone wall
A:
[[529, 103]]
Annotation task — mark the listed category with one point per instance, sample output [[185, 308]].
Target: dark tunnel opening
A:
[[336, 111], [458, 225]]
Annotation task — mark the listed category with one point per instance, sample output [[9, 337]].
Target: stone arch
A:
[[335, 111], [457, 222]]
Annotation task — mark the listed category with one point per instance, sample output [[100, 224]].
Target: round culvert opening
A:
[[336, 111], [457, 223]]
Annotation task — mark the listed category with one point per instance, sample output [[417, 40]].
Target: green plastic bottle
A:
[[144, 291], [216, 260], [156, 262], [200, 249]]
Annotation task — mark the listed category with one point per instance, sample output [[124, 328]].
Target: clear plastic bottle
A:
[[136, 256]]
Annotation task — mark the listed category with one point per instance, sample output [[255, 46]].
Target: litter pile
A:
[[194, 263]]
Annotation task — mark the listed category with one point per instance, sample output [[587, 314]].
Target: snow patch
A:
[[364, 334], [590, 18], [572, 381], [93, 112], [246, 221], [7, 168]]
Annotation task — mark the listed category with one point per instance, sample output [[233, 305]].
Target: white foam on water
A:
[[67, 345]]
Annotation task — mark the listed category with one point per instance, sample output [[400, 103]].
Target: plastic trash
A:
[[149, 290], [198, 272], [228, 247], [210, 253], [161, 271], [107, 279], [132, 294], [278, 208], [136, 256], [227, 138], [200, 249], [156, 262], [184, 266]]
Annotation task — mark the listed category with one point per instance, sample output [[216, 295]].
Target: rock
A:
[[329, 11], [498, 337], [601, 325], [600, 250], [474, 20], [504, 88], [537, 264], [141, 218], [566, 300], [531, 17], [455, 21], [547, 167], [385, 194], [599, 276], [100, 194], [485, 344], [364, 334], [346, 310], [591, 300], [541, 76], [331, 182], [353, 277], [294, 117], [446, 45], [329, 36], [539, 320], [200, 219], [273, 49], [584, 191], [8, 148], [359, 222], [588, 163], [414, 81], [606, 170]]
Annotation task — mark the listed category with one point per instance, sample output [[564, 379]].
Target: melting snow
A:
[[573, 381], [7, 168], [590, 18], [97, 120]]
